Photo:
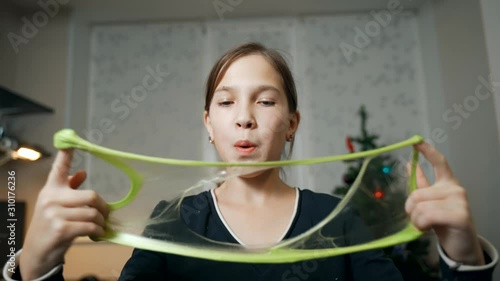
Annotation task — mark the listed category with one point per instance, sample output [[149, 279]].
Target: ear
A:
[[208, 123], [294, 123]]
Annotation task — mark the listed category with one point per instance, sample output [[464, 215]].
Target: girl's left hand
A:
[[444, 208]]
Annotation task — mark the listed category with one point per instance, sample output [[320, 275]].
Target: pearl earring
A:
[[210, 140]]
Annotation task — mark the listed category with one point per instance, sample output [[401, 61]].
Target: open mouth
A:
[[247, 149], [245, 146]]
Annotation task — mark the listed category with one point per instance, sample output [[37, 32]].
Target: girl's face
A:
[[249, 119]]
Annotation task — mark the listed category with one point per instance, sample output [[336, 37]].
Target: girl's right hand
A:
[[61, 214]]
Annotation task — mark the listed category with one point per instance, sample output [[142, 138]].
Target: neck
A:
[[255, 190]]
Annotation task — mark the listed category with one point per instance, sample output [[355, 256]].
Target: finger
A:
[[84, 215], [434, 194], [73, 229], [437, 160], [80, 198], [423, 219], [77, 179], [61, 167], [422, 180], [430, 214]]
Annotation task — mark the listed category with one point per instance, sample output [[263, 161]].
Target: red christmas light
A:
[[379, 194], [348, 142]]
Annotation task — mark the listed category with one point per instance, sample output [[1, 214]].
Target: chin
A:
[[252, 172]]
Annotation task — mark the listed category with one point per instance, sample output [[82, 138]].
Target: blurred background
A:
[[130, 75]]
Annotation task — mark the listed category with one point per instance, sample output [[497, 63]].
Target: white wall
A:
[[431, 84], [491, 21]]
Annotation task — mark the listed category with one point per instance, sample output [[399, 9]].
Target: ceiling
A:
[[135, 10]]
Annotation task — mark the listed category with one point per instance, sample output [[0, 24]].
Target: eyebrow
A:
[[259, 89]]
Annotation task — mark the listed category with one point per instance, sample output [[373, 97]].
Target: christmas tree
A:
[[410, 258]]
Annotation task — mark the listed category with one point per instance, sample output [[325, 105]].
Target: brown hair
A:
[[272, 56]]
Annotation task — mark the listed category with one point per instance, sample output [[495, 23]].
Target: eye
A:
[[267, 103], [225, 103]]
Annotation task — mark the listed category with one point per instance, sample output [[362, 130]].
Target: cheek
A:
[[219, 123], [275, 125]]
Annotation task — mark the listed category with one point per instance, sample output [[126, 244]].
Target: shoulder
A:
[[320, 197], [316, 206], [200, 202], [194, 203], [196, 211], [321, 201], [193, 210]]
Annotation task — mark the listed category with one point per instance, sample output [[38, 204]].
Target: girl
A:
[[250, 113]]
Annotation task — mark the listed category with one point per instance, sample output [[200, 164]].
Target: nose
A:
[[245, 120], [245, 124]]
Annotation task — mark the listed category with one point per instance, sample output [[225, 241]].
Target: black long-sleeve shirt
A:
[[312, 207]]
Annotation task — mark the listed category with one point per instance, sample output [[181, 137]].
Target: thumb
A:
[[77, 179]]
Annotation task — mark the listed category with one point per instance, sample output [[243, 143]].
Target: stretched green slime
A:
[[279, 253]]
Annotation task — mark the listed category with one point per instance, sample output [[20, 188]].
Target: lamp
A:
[[10, 149], [26, 154]]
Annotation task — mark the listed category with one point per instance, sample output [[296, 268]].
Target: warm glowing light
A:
[[27, 154], [378, 194]]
